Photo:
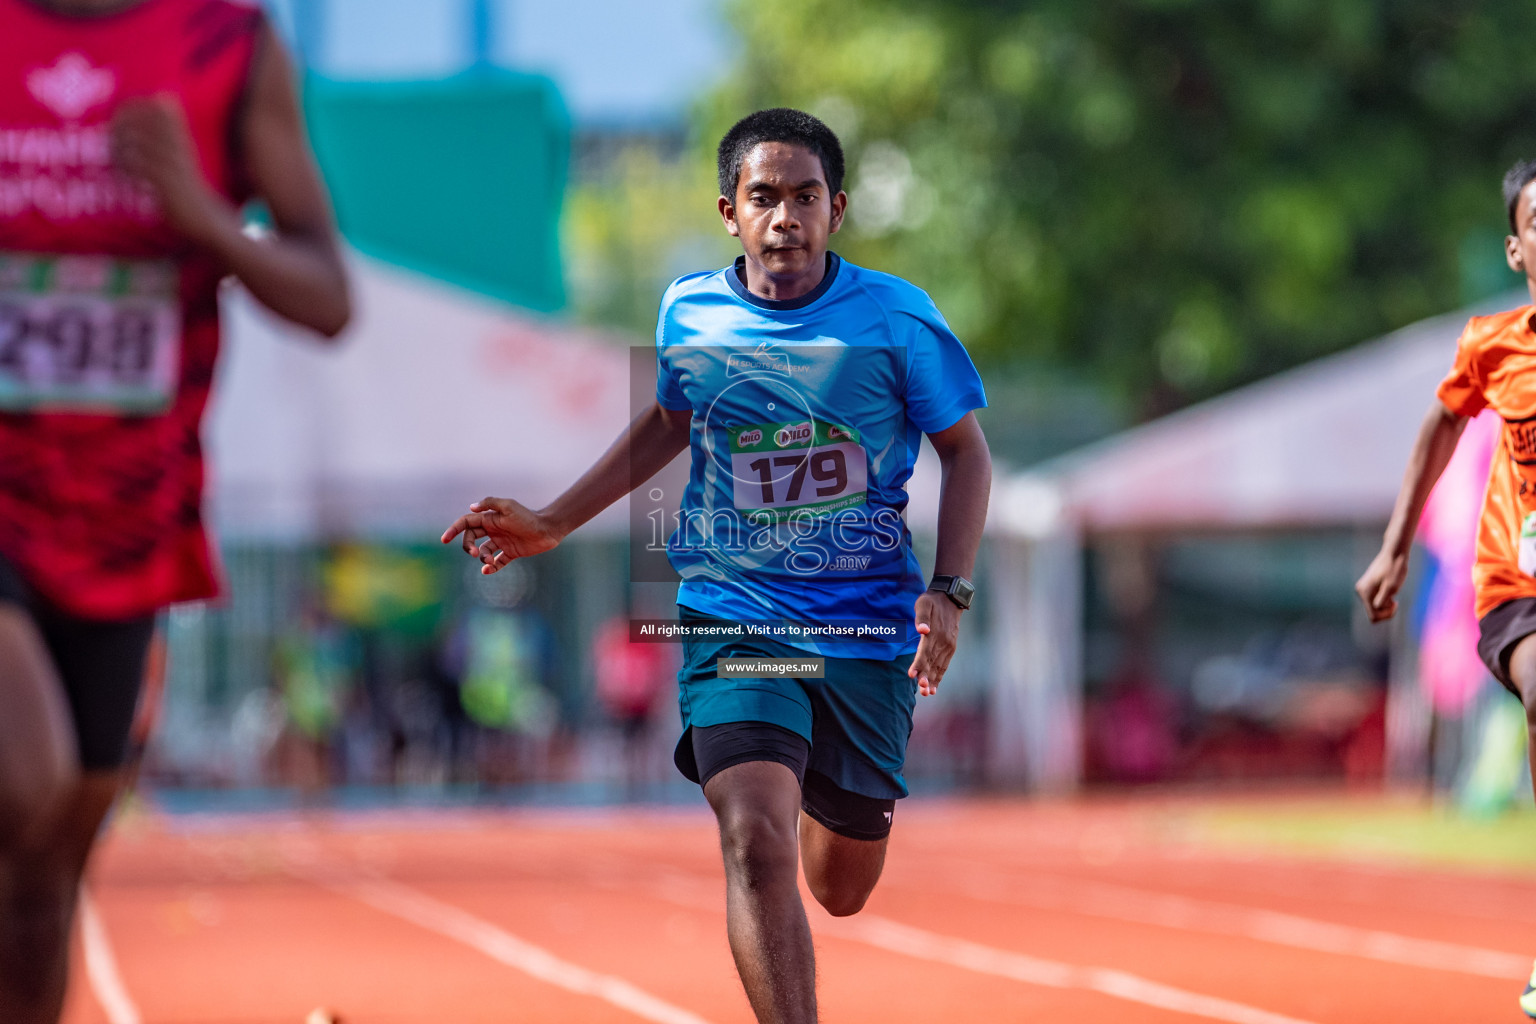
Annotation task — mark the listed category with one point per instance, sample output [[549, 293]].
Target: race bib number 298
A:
[[88, 334], [780, 470]]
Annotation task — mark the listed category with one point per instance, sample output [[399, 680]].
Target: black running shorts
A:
[[100, 663], [1498, 633], [710, 749]]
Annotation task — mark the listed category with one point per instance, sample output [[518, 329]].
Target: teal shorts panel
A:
[[858, 719]]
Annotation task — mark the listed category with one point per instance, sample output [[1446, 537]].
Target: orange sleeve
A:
[[1462, 390]]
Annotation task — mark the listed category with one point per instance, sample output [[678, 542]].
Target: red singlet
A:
[[108, 321]]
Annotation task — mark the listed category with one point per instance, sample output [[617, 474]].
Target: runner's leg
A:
[[756, 805], [1522, 671], [99, 668], [841, 872], [862, 720], [38, 775], [58, 869]]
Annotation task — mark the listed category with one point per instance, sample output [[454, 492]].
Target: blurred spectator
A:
[[631, 678], [315, 665], [506, 657], [1131, 730]]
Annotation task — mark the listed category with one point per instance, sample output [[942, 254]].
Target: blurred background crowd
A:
[[1211, 259]]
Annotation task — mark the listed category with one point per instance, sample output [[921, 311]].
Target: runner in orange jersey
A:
[[1495, 368]]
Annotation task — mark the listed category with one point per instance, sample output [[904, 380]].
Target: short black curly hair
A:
[[778, 124], [1515, 180]]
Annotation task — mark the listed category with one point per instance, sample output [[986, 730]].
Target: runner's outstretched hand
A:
[[938, 623], [498, 531], [1379, 584]]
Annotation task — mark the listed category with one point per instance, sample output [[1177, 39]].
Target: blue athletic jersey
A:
[[807, 417]]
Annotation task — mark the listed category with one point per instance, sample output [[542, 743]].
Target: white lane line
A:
[[934, 948], [883, 933], [1140, 906], [101, 967], [504, 947]]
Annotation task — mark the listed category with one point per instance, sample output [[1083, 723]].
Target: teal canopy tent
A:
[[460, 178]]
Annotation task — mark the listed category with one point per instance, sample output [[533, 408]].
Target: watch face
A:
[[957, 588]]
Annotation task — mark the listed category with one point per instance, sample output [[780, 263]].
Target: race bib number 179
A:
[[88, 334], [784, 469]]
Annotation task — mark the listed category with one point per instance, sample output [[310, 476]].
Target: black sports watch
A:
[[957, 588]]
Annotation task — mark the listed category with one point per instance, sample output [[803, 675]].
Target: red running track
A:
[[989, 911]]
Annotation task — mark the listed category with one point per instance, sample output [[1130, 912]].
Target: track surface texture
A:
[[1105, 910]]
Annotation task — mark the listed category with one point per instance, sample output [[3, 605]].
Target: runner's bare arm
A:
[[963, 494], [652, 439], [297, 272], [1436, 444]]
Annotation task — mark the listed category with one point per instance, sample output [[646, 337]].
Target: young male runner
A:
[[130, 133], [1495, 368], [803, 386]]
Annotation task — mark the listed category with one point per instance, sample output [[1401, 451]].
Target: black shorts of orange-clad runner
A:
[[1498, 633], [100, 664]]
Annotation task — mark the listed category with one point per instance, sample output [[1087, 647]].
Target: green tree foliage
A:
[[632, 226], [1173, 196]]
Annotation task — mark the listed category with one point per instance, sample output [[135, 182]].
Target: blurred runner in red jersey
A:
[[131, 133]]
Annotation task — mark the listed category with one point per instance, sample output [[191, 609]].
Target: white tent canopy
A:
[[432, 398], [1322, 444]]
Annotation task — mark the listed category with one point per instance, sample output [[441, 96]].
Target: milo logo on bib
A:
[[780, 470], [1527, 552], [796, 433]]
